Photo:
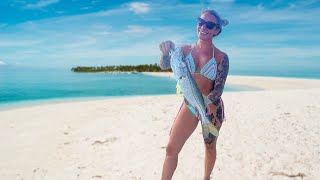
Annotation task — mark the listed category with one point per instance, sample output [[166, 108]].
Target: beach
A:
[[272, 133]]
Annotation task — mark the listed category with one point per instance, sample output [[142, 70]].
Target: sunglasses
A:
[[209, 25]]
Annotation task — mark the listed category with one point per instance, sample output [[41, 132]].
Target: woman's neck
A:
[[204, 45]]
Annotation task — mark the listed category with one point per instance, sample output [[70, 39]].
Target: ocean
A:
[[31, 85]]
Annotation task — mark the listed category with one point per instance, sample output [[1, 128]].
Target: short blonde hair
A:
[[221, 22]]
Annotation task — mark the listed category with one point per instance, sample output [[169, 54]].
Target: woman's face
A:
[[204, 27]]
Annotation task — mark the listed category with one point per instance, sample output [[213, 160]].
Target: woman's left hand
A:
[[212, 112], [211, 109]]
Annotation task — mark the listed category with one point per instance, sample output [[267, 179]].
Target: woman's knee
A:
[[172, 150], [211, 147]]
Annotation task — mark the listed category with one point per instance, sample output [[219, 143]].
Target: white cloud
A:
[[222, 1], [85, 8], [277, 36], [137, 29], [139, 8], [272, 53], [102, 33], [2, 63], [94, 2], [109, 12], [291, 5], [19, 43], [81, 44], [260, 14], [260, 6], [305, 3], [41, 4]]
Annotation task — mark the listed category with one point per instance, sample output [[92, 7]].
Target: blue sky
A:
[[67, 33]]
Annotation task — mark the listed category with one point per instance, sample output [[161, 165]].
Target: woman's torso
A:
[[205, 66]]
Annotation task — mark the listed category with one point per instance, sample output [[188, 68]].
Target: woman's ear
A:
[[219, 31]]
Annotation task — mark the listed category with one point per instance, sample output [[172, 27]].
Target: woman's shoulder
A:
[[219, 55], [186, 49]]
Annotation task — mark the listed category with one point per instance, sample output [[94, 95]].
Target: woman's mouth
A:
[[204, 33]]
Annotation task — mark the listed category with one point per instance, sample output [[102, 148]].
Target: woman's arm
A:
[[221, 78], [164, 54]]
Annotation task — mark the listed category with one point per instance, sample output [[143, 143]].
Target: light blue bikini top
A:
[[209, 70]]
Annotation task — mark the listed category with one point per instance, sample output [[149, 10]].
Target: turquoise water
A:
[[21, 85]]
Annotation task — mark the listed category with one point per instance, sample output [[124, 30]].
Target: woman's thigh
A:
[[183, 126], [217, 119]]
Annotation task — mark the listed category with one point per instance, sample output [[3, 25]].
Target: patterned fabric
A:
[[209, 70]]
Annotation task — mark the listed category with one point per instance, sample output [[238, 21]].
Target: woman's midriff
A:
[[205, 85]]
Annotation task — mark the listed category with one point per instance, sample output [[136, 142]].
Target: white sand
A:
[[266, 132]]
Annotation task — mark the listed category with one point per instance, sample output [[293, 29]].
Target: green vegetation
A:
[[121, 68]]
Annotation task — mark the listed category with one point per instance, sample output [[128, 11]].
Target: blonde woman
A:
[[209, 67]]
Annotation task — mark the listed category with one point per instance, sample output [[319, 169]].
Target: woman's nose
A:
[[203, 27]]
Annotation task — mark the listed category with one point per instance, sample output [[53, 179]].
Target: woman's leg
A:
[[210, 159], [183, 126], [210, 145]]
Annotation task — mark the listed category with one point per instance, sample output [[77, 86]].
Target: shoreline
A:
[[260, 82], [40, 102], [170, 74]]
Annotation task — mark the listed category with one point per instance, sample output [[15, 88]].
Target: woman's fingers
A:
[[171, 45], [165, 46]]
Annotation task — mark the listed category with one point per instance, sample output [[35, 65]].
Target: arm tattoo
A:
[[222, 74], [165, 61]]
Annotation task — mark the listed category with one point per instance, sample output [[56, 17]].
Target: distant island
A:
[[121, 68]]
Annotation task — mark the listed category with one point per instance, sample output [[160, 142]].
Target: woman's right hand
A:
[[166, 46]]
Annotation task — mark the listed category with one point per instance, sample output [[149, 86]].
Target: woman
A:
[[209, 67]]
